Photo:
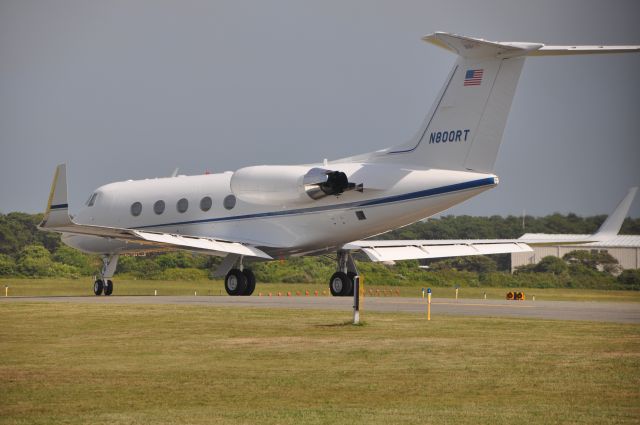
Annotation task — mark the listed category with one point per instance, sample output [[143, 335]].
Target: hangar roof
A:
[[563, 239], [620, 240]]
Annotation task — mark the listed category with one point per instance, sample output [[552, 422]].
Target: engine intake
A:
[[288, 184], [319, 183]]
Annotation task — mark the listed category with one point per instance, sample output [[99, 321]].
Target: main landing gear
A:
[[341, 283], [103, 284], [240, 282]]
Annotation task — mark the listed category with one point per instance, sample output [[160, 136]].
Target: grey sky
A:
[[133, 89]]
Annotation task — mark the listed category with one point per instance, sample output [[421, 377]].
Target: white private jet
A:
[[265, 212]]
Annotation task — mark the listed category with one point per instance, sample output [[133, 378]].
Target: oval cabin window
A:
[[182, 205], [158, 207], [205, 203], [136, 209], [229, 202]]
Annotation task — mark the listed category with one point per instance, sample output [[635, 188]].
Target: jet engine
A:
[[288, 184]]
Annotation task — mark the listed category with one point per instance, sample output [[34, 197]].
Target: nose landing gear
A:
[[102, 284]]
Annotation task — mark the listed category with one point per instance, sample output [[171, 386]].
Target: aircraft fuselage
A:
[[399, 196]]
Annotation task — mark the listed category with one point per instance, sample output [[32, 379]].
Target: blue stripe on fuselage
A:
[[489, 181]]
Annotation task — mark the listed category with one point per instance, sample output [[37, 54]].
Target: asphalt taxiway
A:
[[553, 310]]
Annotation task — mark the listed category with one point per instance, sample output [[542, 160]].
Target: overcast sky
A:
[[132, 89]]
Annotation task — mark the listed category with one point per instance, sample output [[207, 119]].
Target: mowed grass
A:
[[84, 286], [166, 364]]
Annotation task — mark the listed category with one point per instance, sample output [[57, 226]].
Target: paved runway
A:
[[556, 310]]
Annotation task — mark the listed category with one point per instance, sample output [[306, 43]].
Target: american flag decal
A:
[[473, 77]]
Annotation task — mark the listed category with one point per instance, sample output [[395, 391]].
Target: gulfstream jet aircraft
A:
[[265, 212]]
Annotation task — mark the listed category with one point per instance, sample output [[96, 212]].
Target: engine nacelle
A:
[[287, 184]]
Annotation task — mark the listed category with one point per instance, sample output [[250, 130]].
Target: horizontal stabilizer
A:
[[469, 47], [581, 50]]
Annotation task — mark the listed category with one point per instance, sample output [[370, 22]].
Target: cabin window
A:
[[229, 202], [136, 209], [360, 215], [158, 207], [92, 199], [182, 205], [205, 203]]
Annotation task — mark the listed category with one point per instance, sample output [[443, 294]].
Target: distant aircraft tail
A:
[[611, 226], [463, 130]]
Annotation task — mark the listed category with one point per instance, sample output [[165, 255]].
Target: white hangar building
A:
[[624, 248]]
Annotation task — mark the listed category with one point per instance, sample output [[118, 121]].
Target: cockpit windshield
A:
[[92, 199]]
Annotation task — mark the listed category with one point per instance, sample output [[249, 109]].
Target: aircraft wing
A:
[[388, 250], [56, 219]]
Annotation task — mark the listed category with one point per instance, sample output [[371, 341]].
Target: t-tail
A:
[[464, 127]]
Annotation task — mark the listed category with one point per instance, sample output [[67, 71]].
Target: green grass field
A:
[[62, 287], [167, 364]]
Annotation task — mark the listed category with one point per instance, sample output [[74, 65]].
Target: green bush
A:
[[475, 263], [35, 261], [630, 278], [183, 274], [593, 260], [551, 264], [86, 264], [140, 267], [182, 260], [7, 265]]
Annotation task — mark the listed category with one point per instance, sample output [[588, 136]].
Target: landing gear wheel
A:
[[108, 287], [251, 282], [235, 283], [352, 278], [340, 285], [98, 285]]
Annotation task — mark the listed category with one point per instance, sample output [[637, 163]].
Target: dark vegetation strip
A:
[[27, 252]]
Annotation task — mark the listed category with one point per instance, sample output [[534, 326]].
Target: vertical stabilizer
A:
[[463, 130], [611, 226]]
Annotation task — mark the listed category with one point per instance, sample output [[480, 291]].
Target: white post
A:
[[155, 292], [456, 294], [356, 300]]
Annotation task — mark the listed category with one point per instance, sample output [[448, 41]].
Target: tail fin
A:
[[57, 212], [611, 226], [463, 130]]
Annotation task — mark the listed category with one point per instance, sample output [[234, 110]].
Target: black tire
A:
[[108, 287], [98, 286], [235, 283], [352, 278], [251, 282], [340, 285]]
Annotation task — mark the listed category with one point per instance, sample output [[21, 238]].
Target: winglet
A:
[[613, 223], [57, 212]]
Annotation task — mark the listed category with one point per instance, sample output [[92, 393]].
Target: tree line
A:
[[27, 252]]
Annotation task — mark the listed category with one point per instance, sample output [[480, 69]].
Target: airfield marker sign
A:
[[428, 303]]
